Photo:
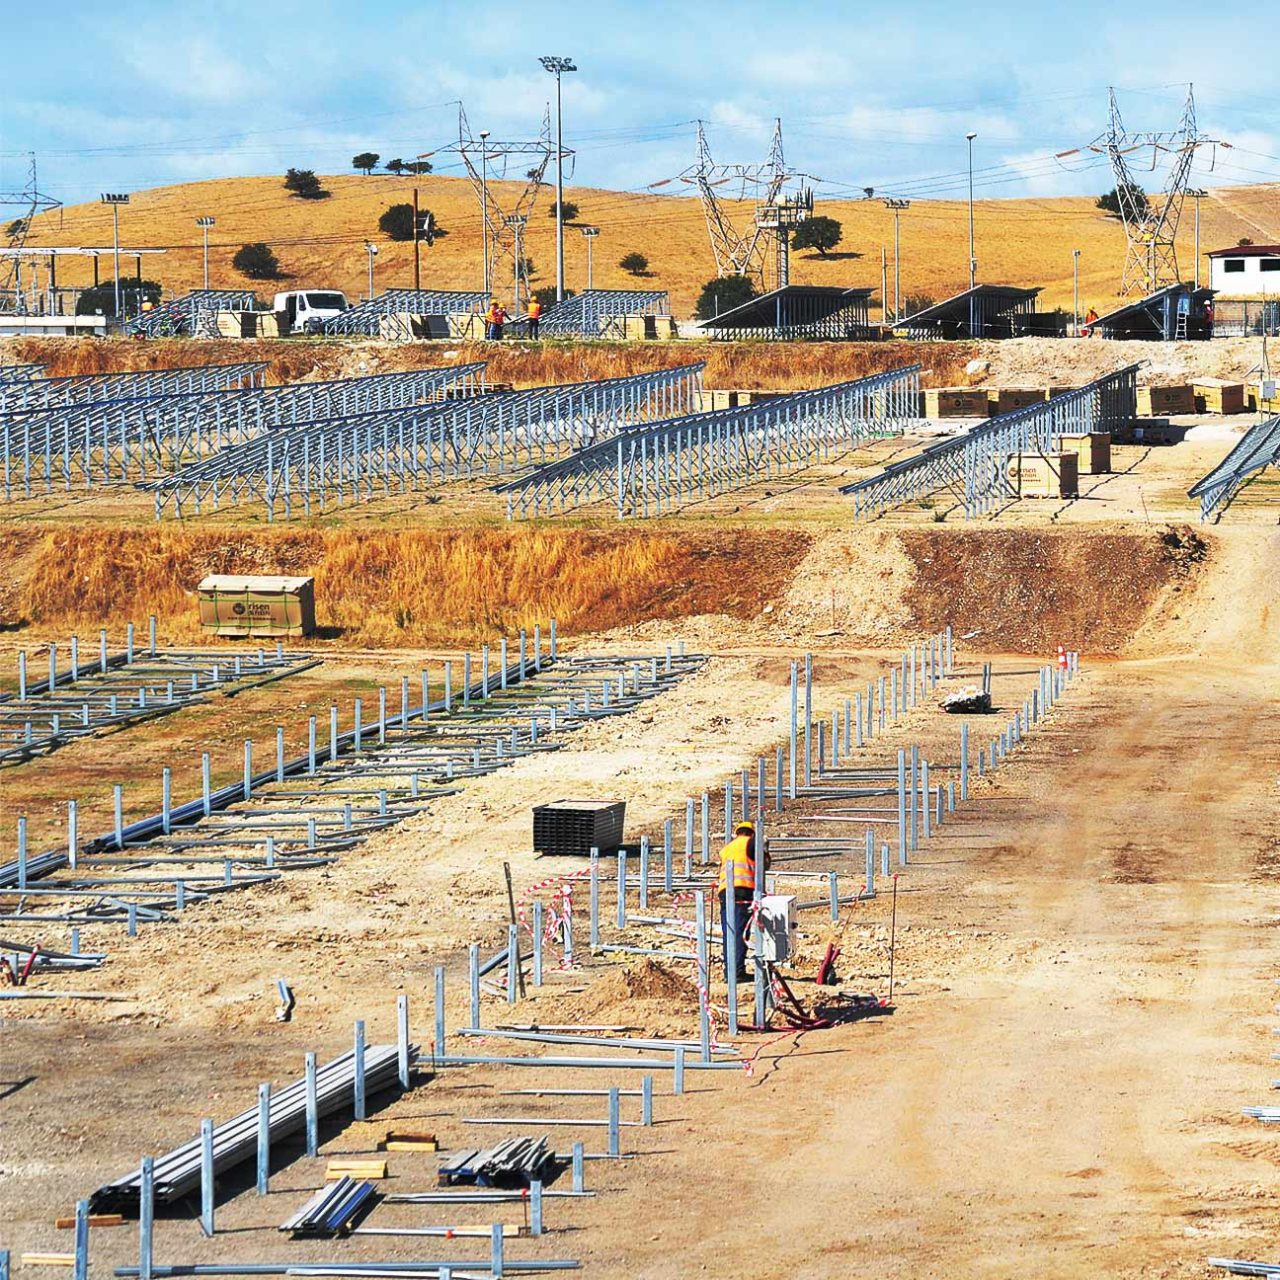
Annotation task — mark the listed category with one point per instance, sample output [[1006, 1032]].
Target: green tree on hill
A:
[[366, 161], [257, 262], [304, 184], [820, 233], [1110, 202], [723, 294]]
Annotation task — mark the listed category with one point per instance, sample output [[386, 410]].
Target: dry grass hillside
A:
[[1024, 242]]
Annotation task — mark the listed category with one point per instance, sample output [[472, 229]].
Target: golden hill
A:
[[321, 243]]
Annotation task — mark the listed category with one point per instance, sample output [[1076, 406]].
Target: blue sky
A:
[[140, 94]]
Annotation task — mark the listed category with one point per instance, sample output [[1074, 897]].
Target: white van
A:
[[306, 310]]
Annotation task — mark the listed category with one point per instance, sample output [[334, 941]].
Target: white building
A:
[[1247, 271]]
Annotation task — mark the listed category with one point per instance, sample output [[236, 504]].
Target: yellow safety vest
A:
[[736, 861]]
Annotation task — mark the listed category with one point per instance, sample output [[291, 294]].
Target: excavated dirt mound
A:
[[649, 995]]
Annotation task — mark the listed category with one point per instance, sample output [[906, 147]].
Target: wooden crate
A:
[[713, 398], [1215, 395], [1051, 392], [1256, 402], [1034, 475], [1092, 450], [1007, 399], [955, 402], [1158, 402]]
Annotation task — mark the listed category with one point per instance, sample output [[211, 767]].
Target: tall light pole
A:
[[372, 250], [973, 262], [1197, 195], [115, 199], [484, 203], [1075, 288], [516, 222], [557, 67], [204, 224], [897, 206], [590, 233]]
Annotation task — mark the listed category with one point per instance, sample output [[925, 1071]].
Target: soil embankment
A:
[[1011, 590]]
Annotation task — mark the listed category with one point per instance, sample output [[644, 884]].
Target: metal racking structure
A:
[[653, 470], [365, 457], [1257, 449], [601, 313], [366, 317], [141, 438], [112, 690], [86, 388], [974, 465], [796, 312], [21, 372], [182, 315]]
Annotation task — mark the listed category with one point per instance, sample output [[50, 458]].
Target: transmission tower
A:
[[738, 252], [1151, 224], [31, 201], [486, 162]]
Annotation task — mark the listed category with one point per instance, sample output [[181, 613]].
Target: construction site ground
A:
[[1084, 977]]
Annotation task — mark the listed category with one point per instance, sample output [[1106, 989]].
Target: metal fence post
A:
[[206, 1176], [264, 1138]]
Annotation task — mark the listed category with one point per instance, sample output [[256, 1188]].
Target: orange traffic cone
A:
[[1062, 658]]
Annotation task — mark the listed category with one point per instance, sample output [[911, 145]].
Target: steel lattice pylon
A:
[[32, 201], [737, 252], [1151, 226], [477, 154]]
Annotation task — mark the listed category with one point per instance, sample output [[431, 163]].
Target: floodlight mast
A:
[[558, 67], [204, 223], [115, 199], [973, 261], [590, 233]]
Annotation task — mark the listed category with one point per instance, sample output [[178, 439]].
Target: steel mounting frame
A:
[[1256, 450], [86, 388]]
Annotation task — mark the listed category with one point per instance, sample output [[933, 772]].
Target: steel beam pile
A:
[[332, 1210], [1258, 449], [87, 388], [365, 317], [177, 1173], [181, 314], [974, 466], [144, 437], [21, 372], [601, 313], [367, 457], [112, 691], [655, 469]]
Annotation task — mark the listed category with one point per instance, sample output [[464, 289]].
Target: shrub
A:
[[723, 294], [635, 263], [257, 262]]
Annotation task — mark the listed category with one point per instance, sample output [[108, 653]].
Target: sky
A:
[[133, 94]]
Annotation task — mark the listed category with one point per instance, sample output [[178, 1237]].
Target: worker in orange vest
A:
[[535, 317], [738, 876]]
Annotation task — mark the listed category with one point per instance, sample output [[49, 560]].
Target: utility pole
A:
[[484, 202], [590, 233], [1197, 195], [204, 224], [884, 288], [557, 67], [372, 250], [115, 199], [417, 266], [516, 222], [973, 261], [897, 206], [1075, 289]]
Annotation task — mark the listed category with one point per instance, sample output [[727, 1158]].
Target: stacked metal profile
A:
[[655, 469], [20, 372], [572, 828], [1258, 449], [974, 466], [364, 458], [602, 313], [148, 436], [515, 1162], [332, 1210], [179, 316], [177, 1173], [365, 317]]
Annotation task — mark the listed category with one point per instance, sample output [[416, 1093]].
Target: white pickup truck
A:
[[306, 310]]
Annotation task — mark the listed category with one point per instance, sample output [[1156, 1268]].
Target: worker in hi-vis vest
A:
[[535, 317], [738, 876]]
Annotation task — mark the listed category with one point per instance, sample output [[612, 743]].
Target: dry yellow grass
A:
[[407, 587], [1023, 242], [783, 366]]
